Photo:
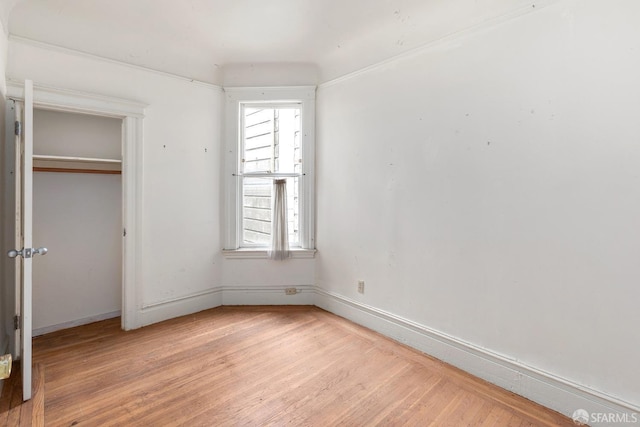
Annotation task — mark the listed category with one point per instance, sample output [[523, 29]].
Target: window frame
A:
[[235, 98]]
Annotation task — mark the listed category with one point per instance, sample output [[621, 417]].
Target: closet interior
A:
[[77, 214]]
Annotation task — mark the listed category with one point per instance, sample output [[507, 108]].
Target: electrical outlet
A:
[[290, 291], [361, 286]]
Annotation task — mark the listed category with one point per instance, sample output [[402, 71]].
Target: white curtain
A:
[[279, 233]]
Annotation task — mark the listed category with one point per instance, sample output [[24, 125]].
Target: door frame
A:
[[132, 114]]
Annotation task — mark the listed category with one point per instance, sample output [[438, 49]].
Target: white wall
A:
[[181, 242], [57, 133], [487, 187], [78, 217]]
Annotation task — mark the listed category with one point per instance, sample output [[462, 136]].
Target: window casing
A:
[[269, 135]]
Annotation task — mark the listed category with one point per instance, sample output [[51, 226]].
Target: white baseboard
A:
[[189, 304], [73, 323], [542, 387], [267, 295], [225, 295]]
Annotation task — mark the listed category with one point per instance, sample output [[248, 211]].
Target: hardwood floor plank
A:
[[465, 412], [341, 385], [13, 416], [37, 413], [26, 414], [8, 389], [260, 366], [401, 406]]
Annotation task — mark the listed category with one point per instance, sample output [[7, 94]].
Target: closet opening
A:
[[78, 211]]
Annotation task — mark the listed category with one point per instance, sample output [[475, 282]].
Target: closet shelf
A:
[[43, 163]]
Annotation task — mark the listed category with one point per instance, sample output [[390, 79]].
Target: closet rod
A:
[[67, 170], [43, 163]]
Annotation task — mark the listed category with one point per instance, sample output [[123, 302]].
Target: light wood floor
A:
[[259, 366], [15, 413]]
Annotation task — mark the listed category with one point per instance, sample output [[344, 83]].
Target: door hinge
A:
[[124, 233], [16, 322], [17, 127]]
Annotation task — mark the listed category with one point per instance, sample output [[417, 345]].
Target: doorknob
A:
[[13, 253], [27, 252], [41, 251]]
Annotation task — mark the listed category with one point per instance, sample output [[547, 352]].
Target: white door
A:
[[24, 252]]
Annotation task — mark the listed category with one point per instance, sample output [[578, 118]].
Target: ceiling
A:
[[198, 39]]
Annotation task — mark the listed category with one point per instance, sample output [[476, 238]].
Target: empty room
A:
[[314, 213]]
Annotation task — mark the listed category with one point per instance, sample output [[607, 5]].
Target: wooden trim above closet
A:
[[64, 164]]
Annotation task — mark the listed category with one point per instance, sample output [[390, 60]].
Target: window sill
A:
[[250, 253]]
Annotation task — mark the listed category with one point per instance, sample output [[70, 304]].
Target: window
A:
[[270, 135], [269, 149]]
